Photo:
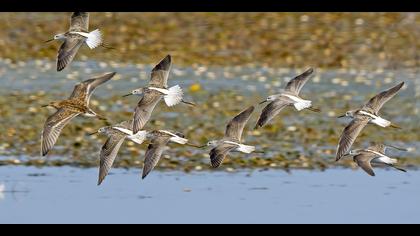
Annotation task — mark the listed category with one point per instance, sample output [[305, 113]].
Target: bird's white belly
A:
[[298, 102]]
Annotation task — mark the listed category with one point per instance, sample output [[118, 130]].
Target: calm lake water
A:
[[70, 195]]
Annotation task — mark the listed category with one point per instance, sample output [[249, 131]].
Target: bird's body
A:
[[116, 137], [374, 154], [75, 37], [154, 92], [159, 140], [367, 114], [373, 119], [232, 139], [289, 97], [77, 104]]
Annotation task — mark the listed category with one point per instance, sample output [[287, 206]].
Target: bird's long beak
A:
[[196, 146], [45, 105], [49, 40], [342, 116], [263, 102], [92, 133], [127, 95]]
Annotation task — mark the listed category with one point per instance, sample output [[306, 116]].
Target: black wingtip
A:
[[44, 153], [310, 70], [307, 72], [164, 64], [249, 110], [111, 74]]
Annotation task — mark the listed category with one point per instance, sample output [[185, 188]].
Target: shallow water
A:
[[69, 195]]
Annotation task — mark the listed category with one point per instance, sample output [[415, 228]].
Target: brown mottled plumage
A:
[[78, 103]]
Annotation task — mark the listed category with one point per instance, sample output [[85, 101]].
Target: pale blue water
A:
[[70, 195]]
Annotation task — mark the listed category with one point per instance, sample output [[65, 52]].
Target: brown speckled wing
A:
[[53, 127]]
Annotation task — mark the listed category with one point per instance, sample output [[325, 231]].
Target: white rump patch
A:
[[382, 158], [302, 105], [377, 120], [299, 103], [245, 148], [381, 122], [94, 39], [386, 160], [174, 96]]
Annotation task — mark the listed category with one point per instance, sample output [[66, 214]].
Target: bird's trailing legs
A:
[[314, 109], [188, 103]]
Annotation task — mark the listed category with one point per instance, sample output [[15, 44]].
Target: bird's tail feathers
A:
[[94, 39], [174, 96]]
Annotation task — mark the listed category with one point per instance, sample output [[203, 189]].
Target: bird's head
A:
[[56, 37], [212, 143], [54, 104], [102, 130], [347, 114], [138, 91], [271, 98]]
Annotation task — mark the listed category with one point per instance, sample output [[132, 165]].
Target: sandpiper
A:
[[374, 155], [363, 116], [153, 93], [289, 97], [159, 140], [76, 104], [75, 37], [232, 139], [116, 136]]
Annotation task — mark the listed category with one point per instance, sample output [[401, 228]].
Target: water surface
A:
[[69, 195]]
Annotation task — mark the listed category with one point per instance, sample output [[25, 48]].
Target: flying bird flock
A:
[[157, 89]]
